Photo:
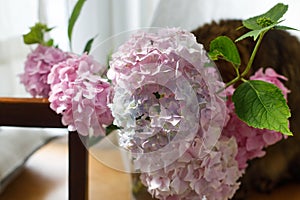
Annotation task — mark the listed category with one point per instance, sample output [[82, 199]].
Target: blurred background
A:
[[105, 18]]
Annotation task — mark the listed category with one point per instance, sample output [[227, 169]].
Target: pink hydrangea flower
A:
[[37, 67], [159, 63], [198, 174], [171, 117], [80, 94], [252, 141]]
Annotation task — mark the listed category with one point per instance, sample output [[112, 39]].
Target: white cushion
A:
[[17, 145]]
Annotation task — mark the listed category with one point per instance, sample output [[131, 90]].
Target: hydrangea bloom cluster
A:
[[151, 66], [186, 141], [37, 67], [171, 117], [252, 141], [198, 174], [80, 94]]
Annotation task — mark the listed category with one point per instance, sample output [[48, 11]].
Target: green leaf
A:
[[255, 33], [270, 17], [262, 105], [88, 46], [36, 34], [49, 29], [223, 47], [74, 16], [285, 28], [50, 43]]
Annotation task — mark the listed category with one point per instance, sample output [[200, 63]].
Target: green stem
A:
[[236, 79], [244, 80], [233, 81], [249, 65]]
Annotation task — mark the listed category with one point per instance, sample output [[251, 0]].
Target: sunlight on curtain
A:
[[101, 18], [190, 14], [105, 18], [55, 14], [14, 21]]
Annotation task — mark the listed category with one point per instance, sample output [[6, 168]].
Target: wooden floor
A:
[[45, 178]]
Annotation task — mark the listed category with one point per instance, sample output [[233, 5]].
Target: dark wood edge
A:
[[28, 112], [36, 112], [78, 167]]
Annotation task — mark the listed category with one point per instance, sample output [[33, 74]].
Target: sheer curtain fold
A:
[[190, 14], [106, 18], [100, 18], [15, 18]]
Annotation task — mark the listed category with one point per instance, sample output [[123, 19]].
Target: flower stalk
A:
[[249, 65]]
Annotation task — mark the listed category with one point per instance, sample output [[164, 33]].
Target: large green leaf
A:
[[74, 16], [262, 105], [223, 47], [270, 17]]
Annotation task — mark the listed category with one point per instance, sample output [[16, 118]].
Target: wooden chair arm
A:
[[28, 112], [36, 112]]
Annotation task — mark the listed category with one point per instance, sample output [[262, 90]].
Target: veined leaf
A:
[[74, 16], [270, 17], [262, 105], [225, 48]]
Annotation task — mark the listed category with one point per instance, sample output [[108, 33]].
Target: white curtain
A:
[[106, 18], [103, 18], [190, 14], [15, 18]]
